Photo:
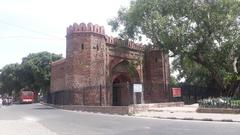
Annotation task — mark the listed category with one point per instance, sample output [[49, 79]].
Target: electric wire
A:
[[49, 36]]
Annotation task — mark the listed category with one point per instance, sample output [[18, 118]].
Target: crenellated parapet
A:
[[125, 43], [85, 28], [90, 28]]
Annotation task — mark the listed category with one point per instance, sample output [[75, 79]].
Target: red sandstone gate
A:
[[100, 70], [123, 75]]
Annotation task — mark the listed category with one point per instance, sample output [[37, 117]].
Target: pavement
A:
[[187, 112], [37, 119], [13, 127]]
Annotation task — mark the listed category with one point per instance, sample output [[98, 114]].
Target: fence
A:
[[60, 98], [191, 94]]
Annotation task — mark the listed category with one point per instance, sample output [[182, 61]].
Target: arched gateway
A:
[[101, 70], [123, 75]]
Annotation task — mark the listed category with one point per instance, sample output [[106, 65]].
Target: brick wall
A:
[[91, 65], [122, 110], [58, 76], [156, 77]]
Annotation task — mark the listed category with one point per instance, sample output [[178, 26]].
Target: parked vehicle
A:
[[26, 97], [7, 101], [1, 101]]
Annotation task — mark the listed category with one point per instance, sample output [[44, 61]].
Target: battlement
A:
[[90, 28], [125, 43], [58, 62], [85, 28]]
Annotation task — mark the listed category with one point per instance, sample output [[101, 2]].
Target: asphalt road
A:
[[37, 119]]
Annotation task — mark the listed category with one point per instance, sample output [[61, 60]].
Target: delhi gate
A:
[[100, 70]]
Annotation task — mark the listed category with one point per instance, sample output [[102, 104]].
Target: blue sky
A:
[[30, 26]]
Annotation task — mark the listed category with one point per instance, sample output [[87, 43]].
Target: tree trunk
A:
[[213, 71], [237, 89]]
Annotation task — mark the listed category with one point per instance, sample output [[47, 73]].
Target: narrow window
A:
[[82, 46], [97, 48], [156, 60]]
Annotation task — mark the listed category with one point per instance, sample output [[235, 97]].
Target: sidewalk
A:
[[187, 112], [23, 127]]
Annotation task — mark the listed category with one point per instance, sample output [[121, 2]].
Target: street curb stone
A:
[[190, 119]]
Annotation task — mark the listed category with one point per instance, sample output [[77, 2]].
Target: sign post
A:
[[137, 88], [176, 92]]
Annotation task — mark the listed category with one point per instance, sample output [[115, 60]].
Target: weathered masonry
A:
[[100, 70]]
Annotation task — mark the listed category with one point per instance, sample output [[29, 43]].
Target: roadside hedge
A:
[[221, 102]]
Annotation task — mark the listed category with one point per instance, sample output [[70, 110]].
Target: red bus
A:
[[26, 97]]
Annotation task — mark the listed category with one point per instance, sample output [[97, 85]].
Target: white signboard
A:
[[137, 88]]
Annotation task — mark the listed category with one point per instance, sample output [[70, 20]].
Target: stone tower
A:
[[156, 75], [100, 70], [85, 63]]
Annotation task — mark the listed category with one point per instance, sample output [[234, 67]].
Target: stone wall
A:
[[92, 63], [144, 107], [219, 110], [122, 110], [156, 76], [58, 76], [85, 61]]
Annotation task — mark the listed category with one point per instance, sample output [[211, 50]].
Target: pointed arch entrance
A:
[[123, 76]]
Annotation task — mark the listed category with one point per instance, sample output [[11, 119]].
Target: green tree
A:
[[173, 82], [36, 70], [193, 73], [204, 32], [10, 78], [33, 73]]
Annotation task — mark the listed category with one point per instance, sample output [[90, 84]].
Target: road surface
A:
[[37, 119]]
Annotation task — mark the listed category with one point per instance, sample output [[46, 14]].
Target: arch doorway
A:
[[122, 91], [122, 84]]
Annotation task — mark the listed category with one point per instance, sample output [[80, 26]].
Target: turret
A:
[[85, 61]]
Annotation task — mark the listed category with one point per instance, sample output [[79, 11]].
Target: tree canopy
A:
[[9, 78], [33, 73], [202, 35]]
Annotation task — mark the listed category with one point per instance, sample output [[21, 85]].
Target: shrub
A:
[[221, 102]]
